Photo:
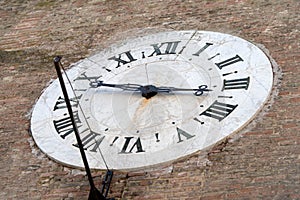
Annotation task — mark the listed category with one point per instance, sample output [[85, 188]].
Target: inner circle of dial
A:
[[127, 112]]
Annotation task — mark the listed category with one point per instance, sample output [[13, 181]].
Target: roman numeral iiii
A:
[[219, 110]]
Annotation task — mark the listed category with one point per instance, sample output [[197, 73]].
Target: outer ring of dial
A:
[[67, 156]]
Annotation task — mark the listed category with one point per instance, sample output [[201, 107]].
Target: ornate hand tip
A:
[[96, 84]]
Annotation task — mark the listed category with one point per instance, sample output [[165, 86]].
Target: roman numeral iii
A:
[[242, 83]]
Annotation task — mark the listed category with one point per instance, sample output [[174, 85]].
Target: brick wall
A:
[[261, 162]]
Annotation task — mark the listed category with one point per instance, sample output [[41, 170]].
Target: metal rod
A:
[[106, 182], [94, 193]]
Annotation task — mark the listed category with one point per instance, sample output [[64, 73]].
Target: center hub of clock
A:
[[148, 91]]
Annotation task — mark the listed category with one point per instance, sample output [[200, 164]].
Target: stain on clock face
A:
[[154, 99]]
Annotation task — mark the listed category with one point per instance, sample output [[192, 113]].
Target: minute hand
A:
[[199, 91], [129, 87]]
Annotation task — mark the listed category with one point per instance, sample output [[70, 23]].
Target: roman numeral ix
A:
[[61, 103]]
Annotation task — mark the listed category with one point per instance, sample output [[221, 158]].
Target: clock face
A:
[[128, 130]]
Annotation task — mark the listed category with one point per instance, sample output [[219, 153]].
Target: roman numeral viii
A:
[[91, 141], [219, 110]]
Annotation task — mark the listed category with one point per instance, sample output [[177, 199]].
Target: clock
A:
[[153, 99]]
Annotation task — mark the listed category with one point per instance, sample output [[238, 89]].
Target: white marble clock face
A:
[[131, 131]]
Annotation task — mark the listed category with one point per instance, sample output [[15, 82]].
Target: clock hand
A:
[[129, 87], [149, 91], [199, 91]]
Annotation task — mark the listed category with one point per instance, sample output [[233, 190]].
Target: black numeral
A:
[[219, 110], [64, 126], [84, 77], [91, 141], [137, 144], [120, 60], [242, 83], [61, 103], [170, 48], [180, 133], [229, 61], [202, 49]]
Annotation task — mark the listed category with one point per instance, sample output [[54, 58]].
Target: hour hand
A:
[[129, 87]]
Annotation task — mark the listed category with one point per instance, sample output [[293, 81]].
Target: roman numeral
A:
[[202, 49], [84, 77], [229, 61], [64, 126], [219, 110], [181, 132], [242, 83], [61, 103], [120, 60], [170, 48], [91, 141], [137, 144]]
